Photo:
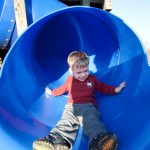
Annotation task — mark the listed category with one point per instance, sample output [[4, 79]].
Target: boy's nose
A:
[[83, 74]]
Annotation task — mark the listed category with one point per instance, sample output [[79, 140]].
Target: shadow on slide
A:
[[38, 59]]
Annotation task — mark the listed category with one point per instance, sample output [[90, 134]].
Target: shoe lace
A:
[[110, 145]]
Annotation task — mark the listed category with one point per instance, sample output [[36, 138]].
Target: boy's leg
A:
[[91, 121], [63, 134], [68, 126], [96, 131]]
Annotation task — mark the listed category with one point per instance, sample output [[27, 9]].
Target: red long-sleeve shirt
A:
[[81, 92]]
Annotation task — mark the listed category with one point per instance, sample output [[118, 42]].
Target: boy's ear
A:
[[70, 71]]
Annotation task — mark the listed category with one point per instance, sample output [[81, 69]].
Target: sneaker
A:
[[106, 141], [51, 142]]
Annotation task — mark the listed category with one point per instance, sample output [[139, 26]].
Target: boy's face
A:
[[80, 73]]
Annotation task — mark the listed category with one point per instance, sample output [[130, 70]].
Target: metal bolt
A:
[[12, 20], [9, 31]]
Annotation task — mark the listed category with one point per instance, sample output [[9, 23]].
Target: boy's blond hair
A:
[[78, 59]]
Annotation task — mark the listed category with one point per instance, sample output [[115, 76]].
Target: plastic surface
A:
[[38, 59], [37, 9]]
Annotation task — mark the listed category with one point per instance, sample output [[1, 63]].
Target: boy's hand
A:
[[120, 87], [48, 91]]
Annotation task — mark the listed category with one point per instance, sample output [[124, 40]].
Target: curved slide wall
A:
[[38, 59]]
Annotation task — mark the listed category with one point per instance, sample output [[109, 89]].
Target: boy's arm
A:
[[107, 89], [60, 90], [120, 87], [57, 91]]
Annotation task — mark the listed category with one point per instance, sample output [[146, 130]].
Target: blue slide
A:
[[38, 59]]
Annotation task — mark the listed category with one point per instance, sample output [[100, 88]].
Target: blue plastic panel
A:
[[38, 59], [7, 22], [1, 6], [36, 9]]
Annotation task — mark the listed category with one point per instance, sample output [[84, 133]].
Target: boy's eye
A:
[[78, 72], [82, 72]]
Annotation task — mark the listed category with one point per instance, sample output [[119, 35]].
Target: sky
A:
[[136, 14]]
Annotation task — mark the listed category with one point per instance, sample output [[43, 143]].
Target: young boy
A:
[[80, 110]]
